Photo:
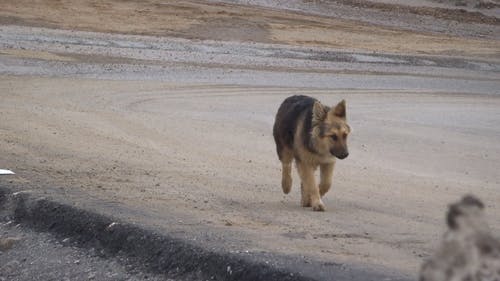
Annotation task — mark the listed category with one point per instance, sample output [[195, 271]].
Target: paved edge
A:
[[152, 251]]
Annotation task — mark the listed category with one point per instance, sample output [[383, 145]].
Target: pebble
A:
[[7, 243]]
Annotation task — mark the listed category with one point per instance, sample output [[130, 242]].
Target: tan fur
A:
[[306, 167], [326, 174], [286, 179], [325, 122]]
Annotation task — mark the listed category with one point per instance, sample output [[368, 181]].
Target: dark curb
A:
[[152, 251]]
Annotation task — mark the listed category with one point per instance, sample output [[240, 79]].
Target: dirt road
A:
[[179, 130]]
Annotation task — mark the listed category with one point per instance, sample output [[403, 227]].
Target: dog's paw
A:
[[286, 184], [319, 207]]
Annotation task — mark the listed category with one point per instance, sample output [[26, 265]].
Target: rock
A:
[[66, 241], [7, 243]]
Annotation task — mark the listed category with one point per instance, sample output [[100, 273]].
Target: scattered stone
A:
[[7, 243], [110, 226]]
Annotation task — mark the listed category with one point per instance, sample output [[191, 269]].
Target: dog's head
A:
[[467, 214], [330, 129]]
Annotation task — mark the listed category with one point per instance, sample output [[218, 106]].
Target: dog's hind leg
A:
[[286, 157], [310, 191], [326, 175]]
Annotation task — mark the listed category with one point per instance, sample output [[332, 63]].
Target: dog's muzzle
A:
[[343, 156]]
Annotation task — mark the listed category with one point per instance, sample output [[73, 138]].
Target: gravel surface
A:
[[47, 52], [39, 256]]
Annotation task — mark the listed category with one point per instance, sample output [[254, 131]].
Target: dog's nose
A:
[[343, 155]]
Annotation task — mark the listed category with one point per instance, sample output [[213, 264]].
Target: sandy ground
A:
[[180, 129], [207, 152]]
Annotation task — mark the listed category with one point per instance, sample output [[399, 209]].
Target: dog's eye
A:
[[334, 137]]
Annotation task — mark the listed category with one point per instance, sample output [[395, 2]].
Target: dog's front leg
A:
[[310, 191], [326, 175]]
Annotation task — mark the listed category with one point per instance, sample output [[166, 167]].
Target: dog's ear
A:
[[471, 200], [339, 109], [319, 112], [452, 216], [349, 129]]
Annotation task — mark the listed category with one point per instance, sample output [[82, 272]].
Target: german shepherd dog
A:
[[314, 135]]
